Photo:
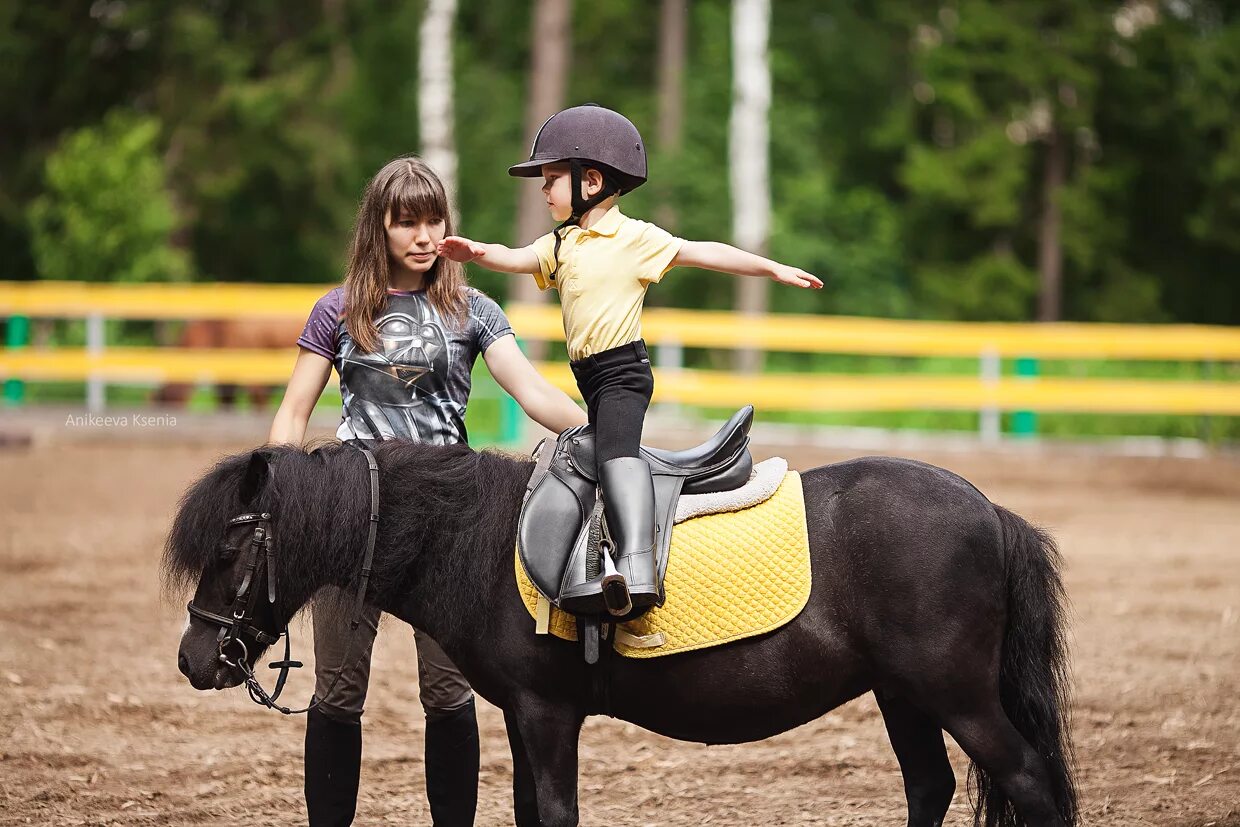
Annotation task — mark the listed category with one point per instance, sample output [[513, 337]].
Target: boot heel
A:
[[615, 590]]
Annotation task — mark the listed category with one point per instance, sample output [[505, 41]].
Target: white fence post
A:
[[989, 422], [96, 389]]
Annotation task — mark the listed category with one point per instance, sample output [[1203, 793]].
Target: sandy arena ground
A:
[[98, 727]]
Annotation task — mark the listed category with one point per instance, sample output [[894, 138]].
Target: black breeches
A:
[[616, 385]]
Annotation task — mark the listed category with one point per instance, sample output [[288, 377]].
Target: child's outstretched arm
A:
[[491, 256], [713, 255]]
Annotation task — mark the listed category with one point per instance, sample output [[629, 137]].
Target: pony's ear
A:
[[256, 475]]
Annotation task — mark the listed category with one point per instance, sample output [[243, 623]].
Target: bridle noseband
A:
[[245, 601]]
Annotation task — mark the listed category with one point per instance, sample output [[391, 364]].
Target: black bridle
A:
[[261, 554]]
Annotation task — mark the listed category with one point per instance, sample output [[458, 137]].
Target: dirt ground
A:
[[98, 727]]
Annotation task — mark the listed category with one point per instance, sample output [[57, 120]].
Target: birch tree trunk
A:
[[342, 57], [748, 151], [550, 56], [435, 91], [673, 30]]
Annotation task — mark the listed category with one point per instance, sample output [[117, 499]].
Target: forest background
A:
[[1040, 159]]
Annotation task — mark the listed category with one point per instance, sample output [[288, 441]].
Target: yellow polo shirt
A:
[[602, 278]]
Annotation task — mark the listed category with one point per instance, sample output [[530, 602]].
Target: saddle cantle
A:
[[561, 501]]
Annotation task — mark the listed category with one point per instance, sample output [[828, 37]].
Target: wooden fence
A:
[[669, 332]]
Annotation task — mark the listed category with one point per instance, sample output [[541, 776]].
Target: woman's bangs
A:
[[417, 198]]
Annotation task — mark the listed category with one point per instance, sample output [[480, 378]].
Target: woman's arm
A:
[[310, 374], [713, 255], [491, 256], [542, 401]]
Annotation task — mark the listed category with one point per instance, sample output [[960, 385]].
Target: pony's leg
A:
[[550, 732], [524, 799], [988, 737], [918, 743]]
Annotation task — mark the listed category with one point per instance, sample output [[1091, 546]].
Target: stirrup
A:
[[615, 591]]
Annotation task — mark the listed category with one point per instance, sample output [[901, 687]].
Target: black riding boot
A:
[[333, 767], [628, 500], [452, 766]]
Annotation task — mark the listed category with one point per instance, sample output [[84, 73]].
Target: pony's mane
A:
[[315, 501], [448, 499], [456, 504]]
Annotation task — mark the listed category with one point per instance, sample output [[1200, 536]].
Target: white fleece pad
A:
[[763, 482]]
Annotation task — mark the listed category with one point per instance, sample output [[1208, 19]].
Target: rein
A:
[[262, 550]]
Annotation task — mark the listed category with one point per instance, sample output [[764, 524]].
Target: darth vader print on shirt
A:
[[416, 383], [402, 387]]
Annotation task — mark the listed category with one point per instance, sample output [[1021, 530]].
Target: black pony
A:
[[950, 609]]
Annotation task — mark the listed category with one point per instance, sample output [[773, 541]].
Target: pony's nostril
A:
[[183, 664]]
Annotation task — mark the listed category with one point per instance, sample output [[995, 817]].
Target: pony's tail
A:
[[1034, 677]]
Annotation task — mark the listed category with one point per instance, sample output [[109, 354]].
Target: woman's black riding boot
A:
[[452, 766], [333, 767], [628, 500]]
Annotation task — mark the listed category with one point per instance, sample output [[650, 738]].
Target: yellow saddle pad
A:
[[729, 576]]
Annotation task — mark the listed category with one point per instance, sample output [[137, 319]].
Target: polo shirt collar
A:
[[609, 223]]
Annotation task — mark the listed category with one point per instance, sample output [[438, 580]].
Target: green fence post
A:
[[1025, 423], [17, 335]]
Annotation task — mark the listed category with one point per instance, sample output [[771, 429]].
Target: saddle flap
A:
[[555, 512]]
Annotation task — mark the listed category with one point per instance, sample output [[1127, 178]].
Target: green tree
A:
[[911, 143], [63, 65], [106, 214]]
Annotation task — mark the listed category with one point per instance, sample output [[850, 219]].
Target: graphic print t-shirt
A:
[[415, 385]]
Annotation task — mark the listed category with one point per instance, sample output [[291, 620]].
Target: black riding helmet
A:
[[588, 136]]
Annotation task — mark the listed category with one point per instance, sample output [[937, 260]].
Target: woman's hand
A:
[[461, 249], [795, 277]]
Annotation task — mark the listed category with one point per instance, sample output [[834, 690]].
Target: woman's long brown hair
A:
[[407, 185]]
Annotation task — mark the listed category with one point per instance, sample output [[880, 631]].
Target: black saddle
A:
[[561, 501]]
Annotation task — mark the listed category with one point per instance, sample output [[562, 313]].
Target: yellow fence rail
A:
[[775, 391], [669, 331]]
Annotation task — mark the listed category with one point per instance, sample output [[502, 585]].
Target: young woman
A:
[[403, 332]]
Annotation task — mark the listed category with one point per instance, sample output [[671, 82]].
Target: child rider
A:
[[602, 262]]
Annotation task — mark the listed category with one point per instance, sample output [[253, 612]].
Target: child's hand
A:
[[795, 277], [460, 249]]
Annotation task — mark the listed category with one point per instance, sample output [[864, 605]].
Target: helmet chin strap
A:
[[581, 206]]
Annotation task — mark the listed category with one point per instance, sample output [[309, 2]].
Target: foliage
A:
[[106, 215], [908, 140]]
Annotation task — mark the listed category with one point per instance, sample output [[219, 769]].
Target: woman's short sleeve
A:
[[488, 319], [321, 334]]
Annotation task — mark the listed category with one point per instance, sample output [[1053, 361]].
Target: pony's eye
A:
[[227, 552]]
